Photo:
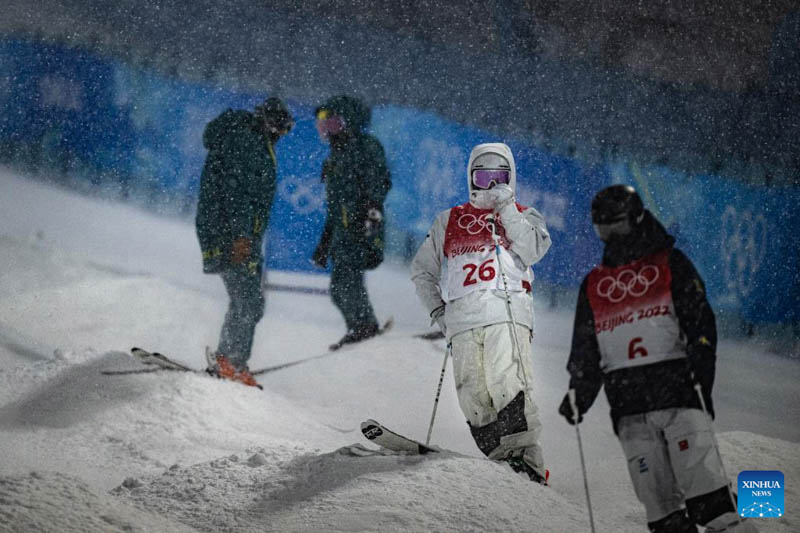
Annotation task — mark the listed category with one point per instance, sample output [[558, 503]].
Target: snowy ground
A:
[[82, 280]]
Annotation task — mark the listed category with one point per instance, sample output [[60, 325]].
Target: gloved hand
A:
[[320, 256], [240, 251], [373, 222], [437, 317], [565, 410], [501, 195]]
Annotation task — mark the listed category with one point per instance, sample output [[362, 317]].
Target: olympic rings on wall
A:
[[304, 197], [743, 247]]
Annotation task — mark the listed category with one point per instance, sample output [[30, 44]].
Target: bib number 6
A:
[[485, 272], [635, 348]]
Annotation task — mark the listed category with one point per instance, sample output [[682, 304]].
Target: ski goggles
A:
[[328, 124], [619, 227], [486, 179]]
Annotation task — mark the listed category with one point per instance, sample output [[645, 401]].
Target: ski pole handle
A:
[[573, 405]]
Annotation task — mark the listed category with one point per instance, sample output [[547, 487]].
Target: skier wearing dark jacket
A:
[[645, 331], [357, 181], [236, 192]]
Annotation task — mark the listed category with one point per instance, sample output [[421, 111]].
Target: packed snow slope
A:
[[82, 280]]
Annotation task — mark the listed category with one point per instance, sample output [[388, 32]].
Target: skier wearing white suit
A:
[[473, 299]]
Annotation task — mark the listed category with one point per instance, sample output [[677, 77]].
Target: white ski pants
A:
[[671, 457], [489, 374]]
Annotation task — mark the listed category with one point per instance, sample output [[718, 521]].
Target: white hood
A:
[[496, 148]]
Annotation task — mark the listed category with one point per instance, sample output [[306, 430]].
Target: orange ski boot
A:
[[244, 376]]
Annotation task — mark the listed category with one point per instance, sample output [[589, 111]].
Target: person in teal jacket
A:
[[357, 181], [236, 191]]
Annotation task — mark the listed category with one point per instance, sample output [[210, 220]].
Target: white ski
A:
[[160, 360], [390, 440]]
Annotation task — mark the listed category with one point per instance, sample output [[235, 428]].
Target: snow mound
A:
[[118, 425], [352, 489], [50, 501], [742, 450]]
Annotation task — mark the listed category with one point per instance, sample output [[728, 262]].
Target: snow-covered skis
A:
[[160, 360], [390, 440], [157, 361]]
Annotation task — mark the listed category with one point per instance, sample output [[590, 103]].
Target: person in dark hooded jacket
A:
[[645, 331], [357, 181], [236, 191]]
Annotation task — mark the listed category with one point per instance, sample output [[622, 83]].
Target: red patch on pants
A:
[[683, 445]]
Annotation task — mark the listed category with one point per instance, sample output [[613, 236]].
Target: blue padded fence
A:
[[66, 107]]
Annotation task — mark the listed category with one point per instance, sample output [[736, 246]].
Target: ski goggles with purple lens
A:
[[486, 179], [329, 124]]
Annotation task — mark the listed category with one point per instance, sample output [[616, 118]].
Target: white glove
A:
[[437, 316], [502, 195]]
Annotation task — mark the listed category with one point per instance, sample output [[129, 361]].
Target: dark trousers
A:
[[245, 309], [350, 295]]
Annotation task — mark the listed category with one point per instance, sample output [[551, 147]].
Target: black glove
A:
[[565, 410]]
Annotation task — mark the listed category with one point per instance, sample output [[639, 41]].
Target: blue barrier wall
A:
[[66, 108], [740, 237]]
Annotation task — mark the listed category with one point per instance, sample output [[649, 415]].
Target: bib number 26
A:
[[485, 272]]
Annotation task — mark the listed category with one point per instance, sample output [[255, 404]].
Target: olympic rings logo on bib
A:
[[472, 224], [627, 283]]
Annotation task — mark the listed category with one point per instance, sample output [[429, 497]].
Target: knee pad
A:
[[510, 420], [486, 437], [704, 508], [677, 522]]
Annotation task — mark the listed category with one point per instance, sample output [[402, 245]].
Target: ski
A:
[[333, 348], [381, 330], [160, 362], [156, 362], [430, 336], [386, 438], [389, 440]]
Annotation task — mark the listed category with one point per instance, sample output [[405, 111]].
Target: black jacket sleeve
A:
[[584, 357], [697, 322]]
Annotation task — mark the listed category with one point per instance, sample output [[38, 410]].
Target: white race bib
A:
[[471, 256]]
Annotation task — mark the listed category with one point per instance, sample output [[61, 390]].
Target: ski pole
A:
[[496, 239], [699, 389], [575, 417], [438, 392]]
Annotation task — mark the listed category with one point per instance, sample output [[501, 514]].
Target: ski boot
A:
[[519, 465], [357, 334], [224, 369]]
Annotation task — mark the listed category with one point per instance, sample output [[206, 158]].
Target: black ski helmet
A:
[[275, 116], [617, 203]]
